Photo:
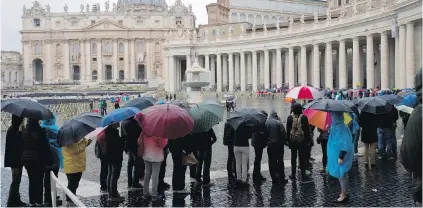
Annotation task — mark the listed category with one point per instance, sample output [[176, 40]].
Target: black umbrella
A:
[[151, 99], [374, 105], [330, 105], [140, 103], [247, 117], [392, 99], [77, 128], [26, 108]]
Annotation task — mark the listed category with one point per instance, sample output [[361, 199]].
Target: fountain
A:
[[194, 83]]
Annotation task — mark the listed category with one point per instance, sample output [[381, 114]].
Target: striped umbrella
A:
[[304, 92]]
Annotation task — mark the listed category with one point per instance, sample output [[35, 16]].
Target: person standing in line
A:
[[35, 157], [386, 136], [167, 97], [99, 153], [105, 107], [322, 139], [114, 157], [91, 106], [174, 96], [162, 184], [298, 130], [177, 148], [117, 105], [275, 148], [228, 140], [356, 134], [340, 153], [369, 124], [12, 159], [131, 131], [152, 156], [205, 141], [259, 142], [242, 152]]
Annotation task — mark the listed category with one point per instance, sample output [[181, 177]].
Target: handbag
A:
[[188, 159], [140, 149]]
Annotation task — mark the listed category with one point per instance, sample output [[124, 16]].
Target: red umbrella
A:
[[166, 121]]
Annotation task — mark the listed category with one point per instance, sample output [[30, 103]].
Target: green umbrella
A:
[[206, 115]]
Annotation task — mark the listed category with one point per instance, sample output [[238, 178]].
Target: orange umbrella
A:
[[322, 119]]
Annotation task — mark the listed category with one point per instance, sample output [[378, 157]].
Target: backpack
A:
[[297, 133]]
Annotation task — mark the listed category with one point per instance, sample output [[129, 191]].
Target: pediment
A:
[[106, 25]]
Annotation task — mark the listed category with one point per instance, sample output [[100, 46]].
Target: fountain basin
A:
[[194, 84]]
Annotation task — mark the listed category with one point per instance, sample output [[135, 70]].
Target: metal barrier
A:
[[65, 192]]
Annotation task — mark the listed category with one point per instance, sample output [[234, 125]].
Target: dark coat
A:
[[131, 131], [242, 135], [388, 119], [35, 147], [114, 146], [228, 135], [275, 130], [186, 143], [259, 138], [369, 124], [13, 148], [205, 140]]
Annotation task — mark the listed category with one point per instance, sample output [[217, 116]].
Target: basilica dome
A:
[[161, 3]]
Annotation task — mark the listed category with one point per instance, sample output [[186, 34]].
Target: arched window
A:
[[140, 47], [157, 47], [108, 48], [121, 48], [37, 49], [94, 49], [58, 48], [94, 75], [75, 48]]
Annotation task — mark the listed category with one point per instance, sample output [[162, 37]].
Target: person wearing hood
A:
[[51, 136], [114, 157], [228, 140], [276, 134], [131, 131], [205, 140], [340, 153], [12, 159], [369, 124], [259, 142], [411, 147]]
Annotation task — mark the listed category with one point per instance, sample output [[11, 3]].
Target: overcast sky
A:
[[11, 12]]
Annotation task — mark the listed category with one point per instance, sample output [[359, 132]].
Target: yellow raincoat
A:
[[74, 157]]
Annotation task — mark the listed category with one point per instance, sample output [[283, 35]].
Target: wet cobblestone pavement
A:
[[386, 185]]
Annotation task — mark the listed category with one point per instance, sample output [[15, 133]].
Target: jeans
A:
[[152, 170], [133, 169], [303, 153], [356, 139], [386, 137], [276, 165], [258, 152], [324, 144], [370, 153], [14, 195], [231, 163], [204, 157], [241, 156], [73, 182], [162, 169], [35, 176], [104, 169], [113, 177], [47, 185], [178, 177]]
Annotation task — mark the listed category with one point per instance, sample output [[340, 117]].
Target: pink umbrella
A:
[[166, 121], [304, 92]]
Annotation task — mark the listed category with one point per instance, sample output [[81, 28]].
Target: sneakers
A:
[[183, 191], [103, 190]]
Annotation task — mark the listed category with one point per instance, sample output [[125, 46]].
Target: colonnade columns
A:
[[212, 72], [207, 65], [401, 62], [397, 71], [126, 60], [266, 70], [83, 60], [329, 66], [172, 73], [278, 68], [291, 70], [286, 54], [250, 69], [231, 72], [115, 61], [219, 72], [370, 63], [88, 61], [242, 71], [343, 75], [356, 62], [316, 66], [225, 72], [100, 71], [303, 65], [236, 70], [48, 64], [132, 73], [410, 64], [384, 53], [254, 77]]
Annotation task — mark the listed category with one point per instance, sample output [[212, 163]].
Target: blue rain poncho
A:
[[340, 139], [51, 133]]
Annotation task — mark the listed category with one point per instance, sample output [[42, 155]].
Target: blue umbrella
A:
[[118, 115], [409, 100]]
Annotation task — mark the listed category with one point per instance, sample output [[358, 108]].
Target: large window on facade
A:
[[10, 77], [37, 49], [140, 47], [16, 76], [36, 22], [121, 48], [58, 49], [108, 48], [94, 75], [75, 48], [94, 48]]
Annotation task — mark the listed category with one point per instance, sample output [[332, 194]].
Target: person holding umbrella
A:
[[228, 140], [369, 124], [114, 146], [131, 131], [259, 142]]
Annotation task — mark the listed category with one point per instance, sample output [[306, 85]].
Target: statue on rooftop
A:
[[66, 8]]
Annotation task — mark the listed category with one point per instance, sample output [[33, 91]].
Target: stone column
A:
[[188, 65], [384, 65], [166, 74], [100, 71], [236, 70], [207, 63], [172, 74], [370, 63], [83, 72], [329, 66], [397, 71], [231, 71], [402, 57], [225, 72], [286, 66], [266, 70], [250, 68], [410, 64], [88, 60], [343, 75], [48, 76], [279, 68], [356, 62], [219, 73], [132, 74], [261, 69], [316, 66], [66, 63], [303, 65], [291, 73], [273, 70], [212, 71], [254, 77], [28, 68], [243, 71], [115, 60], [126, 60]]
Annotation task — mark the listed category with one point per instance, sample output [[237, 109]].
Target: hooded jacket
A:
[[275, 130], [228, 135], [369, 124], [114, 146], [13, 147], [51, 135], [131, 131], [411, 147], [35, 148]]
